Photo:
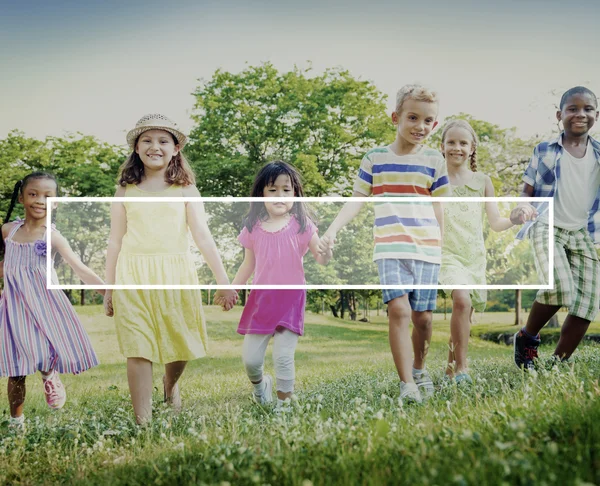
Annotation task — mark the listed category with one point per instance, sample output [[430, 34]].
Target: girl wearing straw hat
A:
[[158, 326]]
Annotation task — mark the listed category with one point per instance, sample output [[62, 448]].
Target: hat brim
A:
[[134, 134]]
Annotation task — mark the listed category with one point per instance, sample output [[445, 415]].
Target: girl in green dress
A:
[[463, 250]]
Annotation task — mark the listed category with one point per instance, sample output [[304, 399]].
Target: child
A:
[[463, 251], [39, 327], [148, 245], [407, 236], [276, 237], [568, 170]]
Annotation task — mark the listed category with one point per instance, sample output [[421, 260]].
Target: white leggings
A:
[[284, 347]]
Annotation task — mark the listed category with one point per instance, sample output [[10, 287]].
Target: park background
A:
[[313, 84]]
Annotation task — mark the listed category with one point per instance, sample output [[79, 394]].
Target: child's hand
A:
[[326, 244], [108, 305], [522, 213], [226, 299]]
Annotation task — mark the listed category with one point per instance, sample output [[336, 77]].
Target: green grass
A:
[[346, 428]]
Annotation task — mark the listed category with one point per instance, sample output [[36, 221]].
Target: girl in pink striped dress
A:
[[39, 329]]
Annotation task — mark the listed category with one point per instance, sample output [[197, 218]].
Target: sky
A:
[[96, 68]]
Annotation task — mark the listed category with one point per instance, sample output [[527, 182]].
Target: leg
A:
[[173, 372], [139, 376], [539, 316], [253, 355], [421, 336], [459, 331], [571, 334], [399, 312], [284, 347], [16, 395]]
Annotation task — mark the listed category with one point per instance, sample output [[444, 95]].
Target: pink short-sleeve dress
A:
[[279, 260]]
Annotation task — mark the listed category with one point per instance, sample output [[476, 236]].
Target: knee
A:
[[283, 359], [399, 312], [461, 302], [423, 320], [253, 364]]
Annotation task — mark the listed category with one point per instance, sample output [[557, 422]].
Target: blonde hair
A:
[[474, 139], [414, 92]]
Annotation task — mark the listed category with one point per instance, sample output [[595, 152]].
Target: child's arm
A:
[[347, 214], [246, 268], [118, 228], [315, 249], [497, 222], [196, 220], [438, 209], [84, 273]]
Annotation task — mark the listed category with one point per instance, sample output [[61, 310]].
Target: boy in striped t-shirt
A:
[[407, 235]]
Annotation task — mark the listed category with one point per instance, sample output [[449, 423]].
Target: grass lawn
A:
[[346, 428]]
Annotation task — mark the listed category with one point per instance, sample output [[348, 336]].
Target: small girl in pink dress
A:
[[276, 236]]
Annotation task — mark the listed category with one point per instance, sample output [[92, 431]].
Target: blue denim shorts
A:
[[410, 272]]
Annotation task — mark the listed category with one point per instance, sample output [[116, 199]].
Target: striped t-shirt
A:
[[405, 230]]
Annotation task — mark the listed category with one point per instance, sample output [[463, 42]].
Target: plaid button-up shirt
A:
[[542, 173]]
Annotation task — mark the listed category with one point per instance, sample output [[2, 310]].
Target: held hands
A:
[[226, 299], [522, 213], [108, 304], [326, 244]]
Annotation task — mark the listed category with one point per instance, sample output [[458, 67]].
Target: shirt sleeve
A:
[[246, 239], [441, 184], [364, 179], [532, 168]]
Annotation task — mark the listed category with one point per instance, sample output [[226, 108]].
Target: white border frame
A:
[[334, 199]]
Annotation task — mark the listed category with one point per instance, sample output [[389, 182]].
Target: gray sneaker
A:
[[409, 393], [425, 384], [266, 397]]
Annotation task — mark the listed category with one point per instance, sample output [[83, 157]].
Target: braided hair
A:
[[458, 123], [20, 189]]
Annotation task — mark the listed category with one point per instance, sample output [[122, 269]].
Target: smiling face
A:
[[457, 146], [578, 114], [156, 148], [281, 187], [34, 195], [415, 120]]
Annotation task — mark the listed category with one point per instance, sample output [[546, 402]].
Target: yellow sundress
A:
[[161, 326]]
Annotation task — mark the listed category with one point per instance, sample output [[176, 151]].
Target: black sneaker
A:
[[526, 350]]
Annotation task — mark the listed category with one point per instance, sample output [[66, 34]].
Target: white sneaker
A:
[[425, 383], [17, 424], [409, 393], [266, 396]]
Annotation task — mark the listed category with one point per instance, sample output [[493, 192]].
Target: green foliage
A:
[[321, 124], [83, 165]]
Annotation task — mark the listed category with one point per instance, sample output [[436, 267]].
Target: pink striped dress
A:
[[39, 329]]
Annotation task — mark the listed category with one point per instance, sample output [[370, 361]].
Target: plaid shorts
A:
[[576, 269], [410, 272]]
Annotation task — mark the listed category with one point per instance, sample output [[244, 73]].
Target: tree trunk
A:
[[445, 307], [82, 297], [553, 322], [518, 318], [243, 297], [333, 310], [352, 305], [342, 304]]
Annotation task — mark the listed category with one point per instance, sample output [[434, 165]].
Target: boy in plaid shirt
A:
[[567, 169]]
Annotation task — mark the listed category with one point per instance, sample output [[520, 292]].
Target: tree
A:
[[322, 124]]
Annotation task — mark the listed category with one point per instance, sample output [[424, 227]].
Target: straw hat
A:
[[155, 122]]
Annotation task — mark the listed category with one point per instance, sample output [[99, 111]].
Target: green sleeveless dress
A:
[[463, 250]]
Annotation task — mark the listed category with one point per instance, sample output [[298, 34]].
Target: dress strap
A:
[[20, 223]]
